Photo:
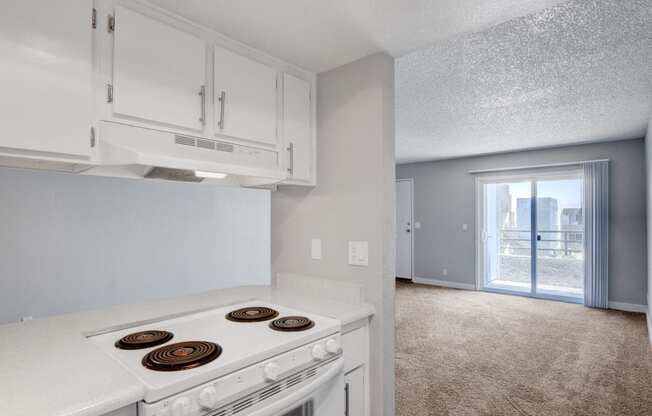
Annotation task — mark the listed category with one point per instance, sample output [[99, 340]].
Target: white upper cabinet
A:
[[297, 130], [245, 97], [46, 102], [159, 72], [70, 73]]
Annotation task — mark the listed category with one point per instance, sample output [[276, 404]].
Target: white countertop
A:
[[48, 367]]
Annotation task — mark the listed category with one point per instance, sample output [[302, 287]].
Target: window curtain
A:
[[596, 242]]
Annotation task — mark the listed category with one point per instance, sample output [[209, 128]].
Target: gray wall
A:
[[72, 243], [353, 200], [445, 199]]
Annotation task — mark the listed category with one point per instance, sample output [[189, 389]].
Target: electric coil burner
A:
[[252, 314], [143, 339], [182, 356], [214, 366], [292, 324]]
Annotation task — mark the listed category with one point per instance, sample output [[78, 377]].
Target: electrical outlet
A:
[[465, 227], [444, 272]]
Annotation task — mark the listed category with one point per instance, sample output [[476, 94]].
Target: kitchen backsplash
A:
[[70, 243]]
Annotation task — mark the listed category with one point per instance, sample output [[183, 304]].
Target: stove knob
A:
[[208, 398], [333, 346], [181, 407], [319, 352], [272, 371]]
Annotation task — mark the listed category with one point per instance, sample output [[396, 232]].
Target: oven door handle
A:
[[304, 392]]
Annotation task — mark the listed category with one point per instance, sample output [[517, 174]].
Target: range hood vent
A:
[[169, 174], [166, 155], [204, 143]]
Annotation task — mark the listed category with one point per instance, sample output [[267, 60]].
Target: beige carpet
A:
[[474, 353]]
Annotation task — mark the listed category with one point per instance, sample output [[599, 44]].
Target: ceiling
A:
[[580, 71], [323, 34]]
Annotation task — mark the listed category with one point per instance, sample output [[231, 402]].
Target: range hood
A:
[[129, 151]]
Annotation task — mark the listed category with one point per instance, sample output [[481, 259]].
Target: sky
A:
[[568, 192]]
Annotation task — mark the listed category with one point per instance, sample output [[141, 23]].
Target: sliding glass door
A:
[[507, 235], [560, 237], [531, 235]]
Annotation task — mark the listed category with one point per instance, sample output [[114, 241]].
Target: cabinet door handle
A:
[[291, 150], [346, 399], [222, 100], [202, 96]]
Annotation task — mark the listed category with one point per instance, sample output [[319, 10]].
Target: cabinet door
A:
[[245, 98], [158, 71], [46, 76], [355, 392], [297, 132]]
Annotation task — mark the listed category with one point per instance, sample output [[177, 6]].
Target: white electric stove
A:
[[252, 358]]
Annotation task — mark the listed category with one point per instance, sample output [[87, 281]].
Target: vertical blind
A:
[[596, 207]]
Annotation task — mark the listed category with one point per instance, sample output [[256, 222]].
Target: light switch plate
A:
[[315, 248], [359, 253], [417, 225]]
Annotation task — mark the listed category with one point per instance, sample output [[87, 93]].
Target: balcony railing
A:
[[552, 242]]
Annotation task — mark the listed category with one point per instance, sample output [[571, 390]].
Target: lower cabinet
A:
[[355, 344], [355, 392]]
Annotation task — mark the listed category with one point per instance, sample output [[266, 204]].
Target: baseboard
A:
[[621, 306], [628, 307], [443, 283]]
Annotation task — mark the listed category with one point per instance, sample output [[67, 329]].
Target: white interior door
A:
[[158, 71], [245, 98], [46, 75], [296, 127], [404, 228]]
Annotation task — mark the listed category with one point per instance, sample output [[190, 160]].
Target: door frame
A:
[[411, 181], [532, 176]]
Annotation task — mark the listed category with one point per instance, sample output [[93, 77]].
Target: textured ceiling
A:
[[323, 34], [576, 72]]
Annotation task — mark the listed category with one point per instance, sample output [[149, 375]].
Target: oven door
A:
[[322, 395]]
